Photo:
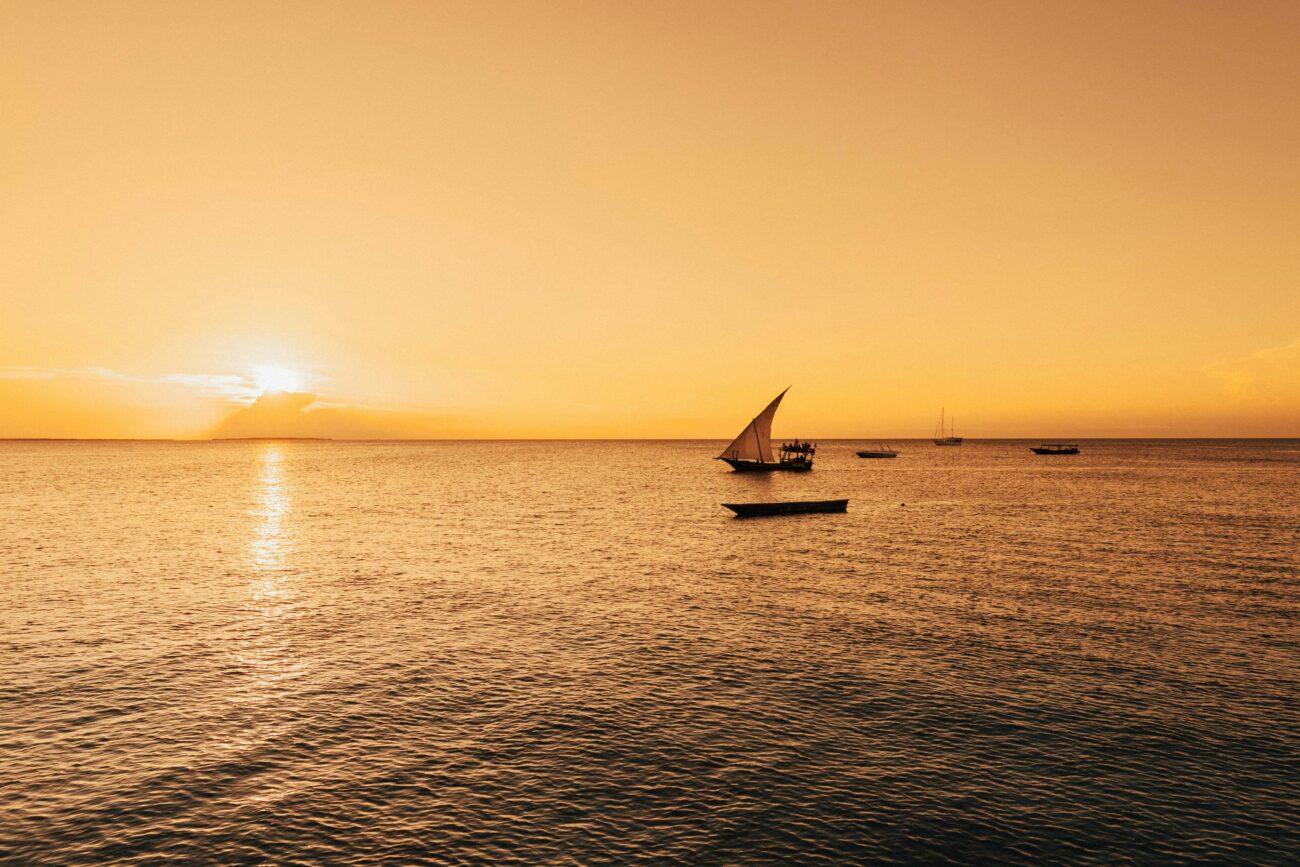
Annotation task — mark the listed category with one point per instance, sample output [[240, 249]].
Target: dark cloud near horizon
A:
[[295, 414]]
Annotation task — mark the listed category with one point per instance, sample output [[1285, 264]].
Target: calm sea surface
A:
[[304, 652]]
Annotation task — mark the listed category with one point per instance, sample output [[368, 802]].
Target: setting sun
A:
[[271, 379]]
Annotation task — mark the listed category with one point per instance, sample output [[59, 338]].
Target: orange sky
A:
[[642, 219]]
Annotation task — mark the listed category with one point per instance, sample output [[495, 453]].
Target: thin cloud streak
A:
[[1270, 375], [230, 386]]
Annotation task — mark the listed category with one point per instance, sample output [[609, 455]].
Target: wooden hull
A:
[[877, 454], [795, 507], [767, 467], [1042, 451]]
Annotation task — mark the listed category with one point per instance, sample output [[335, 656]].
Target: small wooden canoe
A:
[[790, 507]]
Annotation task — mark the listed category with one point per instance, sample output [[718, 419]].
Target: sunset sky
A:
[[645, 219]]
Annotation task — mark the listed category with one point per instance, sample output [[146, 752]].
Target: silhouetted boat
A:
[[791, 507], [1055, 449], [948, 437], [751, 452], [881, 451]]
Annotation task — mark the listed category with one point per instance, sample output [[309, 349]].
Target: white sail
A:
[[755, 441]]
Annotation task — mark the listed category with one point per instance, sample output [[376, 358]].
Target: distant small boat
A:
[[1055, 449], [946, 437], [790, 507], [751, 452], [880, 451]]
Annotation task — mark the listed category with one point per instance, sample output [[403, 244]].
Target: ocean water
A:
[[541, 652]]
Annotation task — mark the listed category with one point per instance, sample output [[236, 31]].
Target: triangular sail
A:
[[755, 441]]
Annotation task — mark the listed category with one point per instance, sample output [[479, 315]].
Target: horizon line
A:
[[967, 439]]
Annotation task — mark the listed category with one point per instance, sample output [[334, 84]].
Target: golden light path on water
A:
[[266, 653], [269, 544]]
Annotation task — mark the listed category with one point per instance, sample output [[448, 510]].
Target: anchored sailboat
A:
[[752, 450], [949, 437]]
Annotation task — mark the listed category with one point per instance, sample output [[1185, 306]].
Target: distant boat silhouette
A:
[[950, 439], [752, 451], [789, 507], [1055, 449], [880, 451]]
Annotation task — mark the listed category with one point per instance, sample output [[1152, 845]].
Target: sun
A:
[[270, 378]]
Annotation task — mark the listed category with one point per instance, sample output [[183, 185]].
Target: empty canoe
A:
[[790, 507]]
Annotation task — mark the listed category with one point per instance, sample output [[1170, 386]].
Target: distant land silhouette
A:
[[272, 439]]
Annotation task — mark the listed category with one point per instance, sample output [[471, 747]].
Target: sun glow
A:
[[270, 378]]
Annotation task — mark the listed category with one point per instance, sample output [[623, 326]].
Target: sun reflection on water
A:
[[269, 544], [266, 653]]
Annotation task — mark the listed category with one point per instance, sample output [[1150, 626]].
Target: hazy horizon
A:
[[897, 439]]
